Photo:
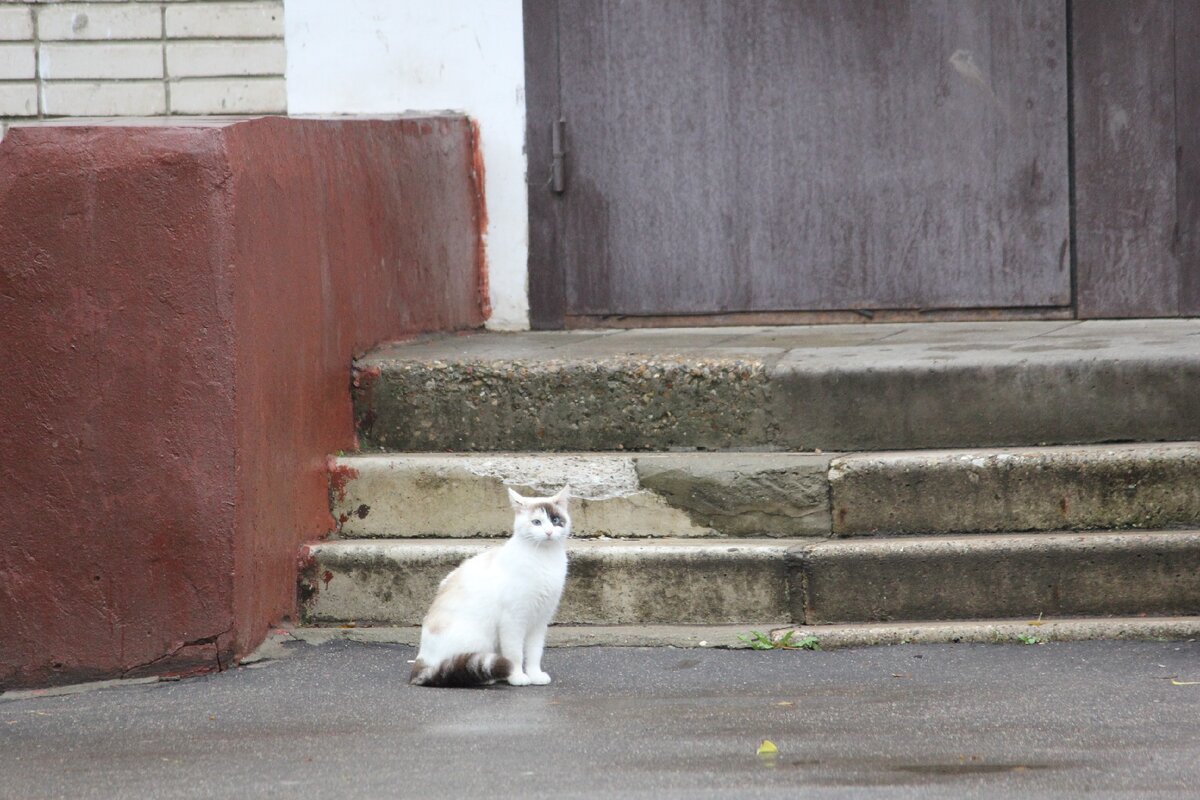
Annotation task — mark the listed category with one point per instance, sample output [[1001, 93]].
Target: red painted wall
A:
[[178, 311]]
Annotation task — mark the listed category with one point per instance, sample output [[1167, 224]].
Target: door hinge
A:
[[558, 180]]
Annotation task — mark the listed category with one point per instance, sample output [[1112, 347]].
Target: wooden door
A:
[[1137, 157], [797, 155]]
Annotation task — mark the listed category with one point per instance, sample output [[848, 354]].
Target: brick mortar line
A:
[[106, 5], [166, 76], [152, 3], [160, 40], [189, 79], [37, 63]]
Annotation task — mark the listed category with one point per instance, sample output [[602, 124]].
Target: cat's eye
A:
[[555, 521], [537, 522]]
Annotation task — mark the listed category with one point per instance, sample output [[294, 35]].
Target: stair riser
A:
[[1054, 575], [652, 495], [616, 404], [386, 585], [827, 402], [1131, 486], [817, 582], [779, 495]]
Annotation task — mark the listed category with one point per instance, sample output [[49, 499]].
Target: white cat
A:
[[488, 621]]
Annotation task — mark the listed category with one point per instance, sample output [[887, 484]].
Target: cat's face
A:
[[541, 519]]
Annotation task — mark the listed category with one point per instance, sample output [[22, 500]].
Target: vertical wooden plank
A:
[[1125, 163], [546, 304], [779, 155], [1187, 138]]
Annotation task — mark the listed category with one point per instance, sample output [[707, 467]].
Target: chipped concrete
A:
[[644, 495], [745, 494], [1052, 488]]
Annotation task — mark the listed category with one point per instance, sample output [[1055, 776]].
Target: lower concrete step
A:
[[1036, 630], [1057, 574], [828, 637], [813, 581], [1078, 487], [836, 387], [609, 582]]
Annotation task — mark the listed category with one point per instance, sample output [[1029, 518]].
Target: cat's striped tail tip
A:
[[464, 669]]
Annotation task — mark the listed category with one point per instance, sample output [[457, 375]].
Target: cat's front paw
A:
[[519, 679], [539, 678]]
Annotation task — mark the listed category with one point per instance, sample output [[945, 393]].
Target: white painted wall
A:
[[390, 56]]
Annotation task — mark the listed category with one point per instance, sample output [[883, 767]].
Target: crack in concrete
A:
[[211, 639]]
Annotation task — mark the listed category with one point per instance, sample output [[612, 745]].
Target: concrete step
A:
[[1030, 489], [610, 582], [1037, 630], [837, 387], [829, 637], [813, 581], [1055, 574], [778, 494], [647, 495]]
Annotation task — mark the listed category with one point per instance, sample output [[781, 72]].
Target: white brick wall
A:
[[89, 21], [100, 60], [116, 99], [17, 62], [141, 58], [18, 99], [208, 59], [227, 96], [262, 20], [16, 23]]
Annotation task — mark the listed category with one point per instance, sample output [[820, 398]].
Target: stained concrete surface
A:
[[464, 495], [957, 721], [1017, 489], [610, 582], [827, 387]]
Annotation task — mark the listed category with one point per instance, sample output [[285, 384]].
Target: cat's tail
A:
[[464, 669]]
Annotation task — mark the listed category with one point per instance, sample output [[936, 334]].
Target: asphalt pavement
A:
[[1087, 719]]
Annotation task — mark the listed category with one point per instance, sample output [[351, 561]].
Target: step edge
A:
[[996, 631], [829, 637], [1001, 541]]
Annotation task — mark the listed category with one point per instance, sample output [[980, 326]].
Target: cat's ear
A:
[[516, 500], [564, 494]]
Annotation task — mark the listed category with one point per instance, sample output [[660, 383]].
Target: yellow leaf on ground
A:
[[767, 747]]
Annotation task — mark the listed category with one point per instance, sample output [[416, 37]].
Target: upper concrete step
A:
[[837, 387], [778, 494]]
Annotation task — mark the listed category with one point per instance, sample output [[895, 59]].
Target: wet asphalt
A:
[[339, 721]]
